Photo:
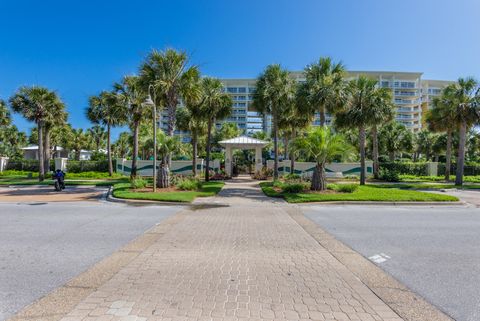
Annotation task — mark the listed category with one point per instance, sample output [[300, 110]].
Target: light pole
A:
[[151, 103]]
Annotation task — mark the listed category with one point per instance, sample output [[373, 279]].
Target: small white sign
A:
[[379, 258]]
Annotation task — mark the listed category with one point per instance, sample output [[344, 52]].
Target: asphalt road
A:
[[43, 246], [433, 251]]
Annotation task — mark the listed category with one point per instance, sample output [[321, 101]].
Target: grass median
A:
[[125, 191], [363, 193]]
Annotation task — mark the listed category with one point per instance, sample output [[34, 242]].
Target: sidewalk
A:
[[247, 261]]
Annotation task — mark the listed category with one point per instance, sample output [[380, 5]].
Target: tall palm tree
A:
[[359, 112], [121, 146], [107, 110], [323, 87], [215, 105], [442, 119], [132, 94], [275, 94], [383, 111], [172, 78], [465, 98], [55, 120], [5, 117], [191, 119], [395, 138], [322, 145], [40, 105], [78, 141]]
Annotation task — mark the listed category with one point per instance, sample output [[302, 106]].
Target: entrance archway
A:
[[242, 142]]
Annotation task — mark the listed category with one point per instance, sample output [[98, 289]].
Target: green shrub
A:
[[18, 173], [293, 187], [346, 188], [189, 184], [87, 166], [409, 168], [389, 175], [138, 183], [292, 177]]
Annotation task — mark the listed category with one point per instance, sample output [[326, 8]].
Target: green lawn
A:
[[208, 189], [376, 193]]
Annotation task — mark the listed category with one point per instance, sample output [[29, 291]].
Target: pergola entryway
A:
[[242, 142]]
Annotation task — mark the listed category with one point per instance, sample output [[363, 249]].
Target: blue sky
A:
[[79, 48]]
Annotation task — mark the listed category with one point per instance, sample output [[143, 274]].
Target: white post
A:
[[3, 163], [228, 161], [61, 164], [258, 159]]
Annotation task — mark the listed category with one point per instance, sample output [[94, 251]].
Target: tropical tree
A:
[[11, 140], [275, 93], [40, 105], [173, 79], [215, 105], [78, 141], [395, 138], [5, 117], [359, 111], [98, 136], [323, 87], [226, 131], [132, 95], [191, 119], [464, 96], [424, 141], [322, 145], [60, 136], [121, 147], [441, 118], [107, 110]]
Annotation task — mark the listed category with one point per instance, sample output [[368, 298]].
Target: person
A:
[[60, 176]]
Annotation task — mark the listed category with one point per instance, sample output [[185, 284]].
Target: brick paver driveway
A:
[[246, 261]]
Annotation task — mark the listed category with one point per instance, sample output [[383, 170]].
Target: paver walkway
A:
[[26, 194], [247, 261]]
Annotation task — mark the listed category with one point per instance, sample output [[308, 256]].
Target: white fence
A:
[[145, 167], [332, 169]]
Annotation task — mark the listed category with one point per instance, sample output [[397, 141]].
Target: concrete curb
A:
[[58, 303], [113, 199], [407, 304]]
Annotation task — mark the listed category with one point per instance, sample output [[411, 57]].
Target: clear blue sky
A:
[[80, 47]]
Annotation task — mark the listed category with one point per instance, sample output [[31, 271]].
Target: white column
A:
[[3, 163], [228, 161], [61, 164], [258, 159]]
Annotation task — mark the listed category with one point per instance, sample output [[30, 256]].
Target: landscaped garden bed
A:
[[177, 193], [377, 193]]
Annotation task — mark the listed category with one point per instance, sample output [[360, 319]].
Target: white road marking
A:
[[379, 258]]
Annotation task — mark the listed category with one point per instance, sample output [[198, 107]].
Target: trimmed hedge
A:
[[31, 165], [468, 170], [409, 168]]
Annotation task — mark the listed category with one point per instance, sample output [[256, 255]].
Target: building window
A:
[[232, 90]]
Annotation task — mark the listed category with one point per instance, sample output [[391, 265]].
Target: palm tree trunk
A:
[[448, 156], [46, 149], [319, 182], [41, 161], [207, 162], [285, 143], [376, 165], [391, 156], [172, 108], [461, 154], [194, 159], [321, 111], [109, 152], [292, 154], [133, 173], [275, 149], [361, 135], [163, 176]]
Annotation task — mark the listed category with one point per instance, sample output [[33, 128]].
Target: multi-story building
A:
[[411, 94]]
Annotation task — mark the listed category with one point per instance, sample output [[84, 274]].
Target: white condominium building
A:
[[411, 94]]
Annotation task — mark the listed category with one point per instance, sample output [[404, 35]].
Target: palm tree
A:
[[40, 105], [359, 112], [275, 93], [121, 147], [190, 119], [215, 105], [98, 135], [322, 145], [132, 95], [442, 119], [78, 141], [5, 117], [323, 87], [465, 98], [383, 111], [395, 138], [107, 110], [172, 78]]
